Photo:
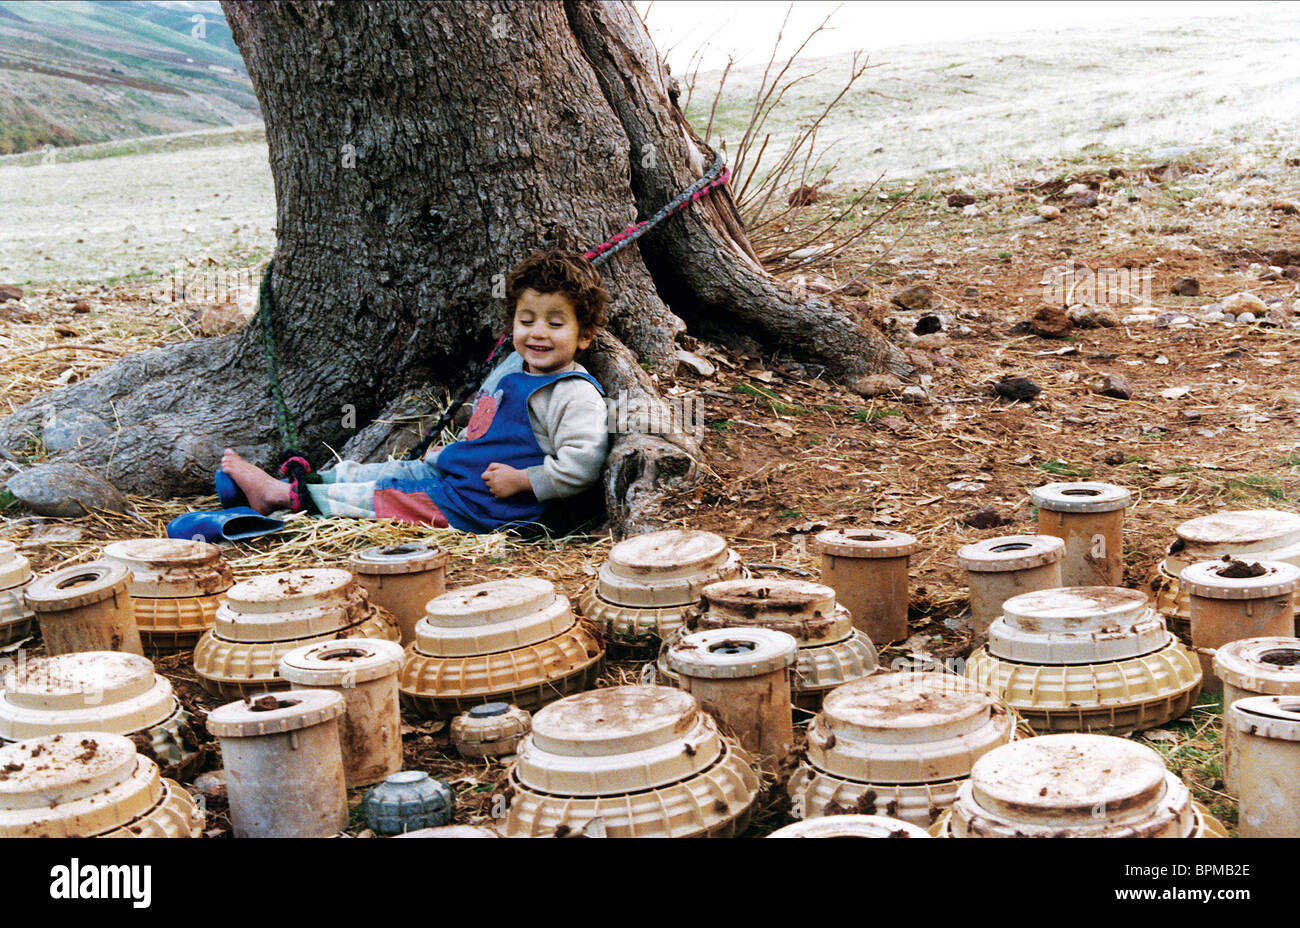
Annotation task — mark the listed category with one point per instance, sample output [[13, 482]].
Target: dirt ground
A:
[[1210, 424]]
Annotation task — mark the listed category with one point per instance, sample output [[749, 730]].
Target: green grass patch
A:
[[718, 425], [1180, 469], [871, 415], [1058, 468], [778, 405], [789, 514], [1197, 744], [1255, 485], [1292, 460]]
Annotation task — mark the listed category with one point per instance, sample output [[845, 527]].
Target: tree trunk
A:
[[419, 150]]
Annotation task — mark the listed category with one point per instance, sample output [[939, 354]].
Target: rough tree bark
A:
[[418, 151]]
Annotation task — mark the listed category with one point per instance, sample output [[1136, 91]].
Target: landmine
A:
[[364, 672], [407, 801], [1261, 534], [831, 651], [1231, 600], [868, 569], [90, 784], [898, 745], [1000, 568], [493, 729], [1074, 786], [851, 826], [266, 617], [1089, 518], [176, 587], [1086, 659], [1253, 667], [97, 691], [284, 764], [741, 676], [644, 759], [402, 579], [15, 615], [1267, 765], [85, 607], [644, 589], [513, 641]]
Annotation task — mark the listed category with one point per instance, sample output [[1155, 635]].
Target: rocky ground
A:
[[1130, 320]]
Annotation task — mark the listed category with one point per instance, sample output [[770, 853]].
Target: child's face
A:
[[546, 332]]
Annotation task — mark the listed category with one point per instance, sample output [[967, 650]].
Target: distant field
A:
[[136, 208]]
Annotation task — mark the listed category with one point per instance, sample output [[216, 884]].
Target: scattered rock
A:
[[10, 292], [1113, 458], [1106, 319], [1246, 317], [1085, 317], [1244, 302], [211, 785], [1051, 322], [965, 486], [1165, 320], [1285, 206], [928, 324], [1291, 272], [1047, 213], [1114, 385], [694, 362], [1190, 415], [1017, 388], [1030, 220], [66, 491], [1087, 199], [81, 306], [959, 200], [972, 291], [1075, 189], [915, 394], [918, 298], [222, 318], [931, 342], [1186, 286], [984, 517], [66, 331], [803, 196], [877, 385], [971, 210], [69, 428]]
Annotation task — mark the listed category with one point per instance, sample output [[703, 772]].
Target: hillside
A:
[[77, 72]]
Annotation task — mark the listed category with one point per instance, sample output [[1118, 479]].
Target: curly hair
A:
[[567, 272]]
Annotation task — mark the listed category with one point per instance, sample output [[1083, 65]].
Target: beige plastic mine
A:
[[494, 735], [1267, 765], [284, 765], [806, 611], [1089, 517], [85, 607], [1253, 667], [176, 587], [94, 691], [364, 672], [1000, 568], [402, 578], [899, 743], [1077, 625], [851, 826], [632, 626], [1072, 786], [89, 784], [644, 759], [741, 676], [15, 615], [665, 568], [868, 569], [1225, 609], [505, 640]]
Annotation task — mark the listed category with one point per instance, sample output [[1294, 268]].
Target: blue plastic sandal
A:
[[228, 491], [237, 524]]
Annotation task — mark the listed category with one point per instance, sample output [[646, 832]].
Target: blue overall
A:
[[461, 493]]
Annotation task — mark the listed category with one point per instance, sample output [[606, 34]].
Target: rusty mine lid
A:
[[732, 653], [342, 662], [1240, 532], [288, 605], [617, 740], [500, 615], [74, 784], [1275, 717], [14, 568], [1077, 625], [666, 568], [295, 709], [1081, 496], [1260, 665], [163, 568], [87, 690], [851, 826], [807, 611], [1011, 552], [865, 542], [409, 558], [1070, 779], [1205, 579], [78, 585]]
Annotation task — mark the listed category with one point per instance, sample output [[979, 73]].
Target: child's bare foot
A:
[[264, 492]]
